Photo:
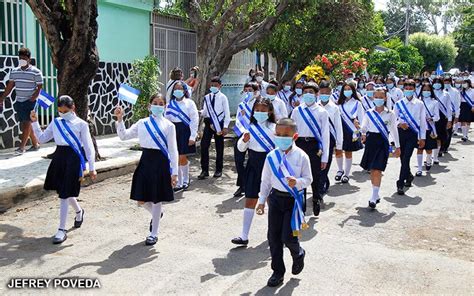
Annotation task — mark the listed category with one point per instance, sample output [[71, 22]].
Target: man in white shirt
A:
[[279, 107], [262, 83]]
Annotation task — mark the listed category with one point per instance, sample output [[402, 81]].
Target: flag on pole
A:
[[45, 100], [128, 94], [439, 69]]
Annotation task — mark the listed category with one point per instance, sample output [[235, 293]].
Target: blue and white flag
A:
[[439, 69], [45, 100], [128, 94]]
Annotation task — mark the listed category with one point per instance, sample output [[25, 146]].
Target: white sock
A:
[[375, 193], [180, 176], [339, 161], [435, 154], [457, 126], [185, 169], [62, 215], [155, 216], [428, 159], [77, 208], [464, 129], [248, 216], [419, 159], [348, 166], [148, 206]]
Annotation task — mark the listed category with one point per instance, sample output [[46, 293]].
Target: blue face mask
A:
[[260, 116], [408, 93], [298, 91], [157, 110], [426, 93], [457, 85], [437, 86], [390, 85], [309, 99], [283, 143], [178, 94], [324, 98], [348, 93], [379, 102], [271, 97], [339, 87], [287, 87], [361, 85], [369, 93], [400, 86], [214, 89]]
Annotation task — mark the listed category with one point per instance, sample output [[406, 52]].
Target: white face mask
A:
[[67, 116], [259, 78], [23, 63]]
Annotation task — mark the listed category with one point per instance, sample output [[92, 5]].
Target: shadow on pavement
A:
[[360, 176], [403, 201], [128, 257], [368, 217], [425, 180], [286, 289], [228, 205], [340, 189], [311, 232]]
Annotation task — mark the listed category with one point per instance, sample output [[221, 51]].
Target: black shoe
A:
[[316, 206], [464, 139], [49, 156], [339, 175], [428, 167], [440, 154], [151, 240], [185, 186], [240, 191], [372, 204], [418, 174], [57, 240], [345, 179], [203, 175], [240, 241], [217, 174], [275, 280], [409, 180], [178, 189], [436, 162], [77, 224], [400, 188], [298, 264]]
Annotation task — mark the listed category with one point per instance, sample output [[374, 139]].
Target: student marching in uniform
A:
[[367, 98], [351, 113], [428, 98], [286, 173], [278, 105], [417, 87], [68, 166], [335, 130], [243, 115], [395, 94], [336, 93], [312, 122], [157, 171], [467, 108], [183, 113], [400, 84], [455, 97], [458, 81], [411, 116], [377, 124], [285, 93], [216, 116], [176, 75], [259, 141], [295, 97], [261, 83], [445, 122]]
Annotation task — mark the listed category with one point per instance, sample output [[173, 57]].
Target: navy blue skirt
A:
[[64, 173], [466, 115], [375, 153], [253, 173], [348, 144], [430, 143], [183, 132], [151, 180]]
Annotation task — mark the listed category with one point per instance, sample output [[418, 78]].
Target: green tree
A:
[[379, 63], [464, 40], [394, 19], [434, 49], [409, 55]]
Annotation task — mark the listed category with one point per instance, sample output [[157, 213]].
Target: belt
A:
[[308, 139], [278, 193]]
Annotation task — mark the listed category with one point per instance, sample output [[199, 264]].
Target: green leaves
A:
[[435, 49]]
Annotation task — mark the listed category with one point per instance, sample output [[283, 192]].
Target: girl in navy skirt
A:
[[432, 116], [183, 113], [377, 125], [467, 108], [445, 117], [156, 173], [68, 166], [295, 97], [352, 113], [258, 140]]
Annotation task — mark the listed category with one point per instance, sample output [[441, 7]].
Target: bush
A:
[[434, 49]]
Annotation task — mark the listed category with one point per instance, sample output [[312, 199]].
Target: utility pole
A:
[[407, 21]]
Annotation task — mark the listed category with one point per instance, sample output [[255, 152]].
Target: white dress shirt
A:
[[252, 144], [335, 117], [221, 106], [367, 103], [455, 97], [417, 110], [299, 162], [395, 94], [279, 108], [431, 109], [469, 93], [189, 107], [444, 103], [285, 97], [353, 111], [322, 117], [263, 88], [79, 127], [138, 130], [390, 120]]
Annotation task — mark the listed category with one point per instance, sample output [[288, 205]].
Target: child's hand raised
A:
[[33, 116], [118, 112]]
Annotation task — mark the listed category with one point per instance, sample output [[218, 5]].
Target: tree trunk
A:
[[266, 64], [292, 71], [280, 69]]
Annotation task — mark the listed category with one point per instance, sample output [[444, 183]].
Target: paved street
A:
[[418, 243]]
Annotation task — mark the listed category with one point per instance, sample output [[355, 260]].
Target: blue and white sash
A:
[[431, 124], [332, 129], [335, 97], [243, 121], [283, 96], [367, 103], [282, 169], [72, 141], [443, 106], [259, 134], [175, 110], [453, 108], [348, 120], [377, 120], [467, 98], [158, 137], [212, 113], [312, 124], [407, 117]]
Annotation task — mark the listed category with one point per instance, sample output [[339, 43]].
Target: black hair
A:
[[186, 94], [250, 71], [254, 86], [324, 84], [65, 100], [469, 83], [247, 85], [288, 122], [409, 82], [273, 82], [312, 86], [157, 96], [342, 97], [24, 52], [272, 86], [431, 90], [175, 74], [266, 102], [297, 82], [438, 80], [216, 79]]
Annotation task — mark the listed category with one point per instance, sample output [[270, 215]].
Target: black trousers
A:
[[408, 143], [239, 159], [324, 179], [280, 207], [311, 147], [445, 146], [207, 136]]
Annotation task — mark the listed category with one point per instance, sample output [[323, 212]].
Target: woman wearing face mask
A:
[[182, 112], [156, 173], [394, 93], [377, 124], [259, 141], [400, 83], [417, 87], [68, 166], [351, 113], [337, 91], [285, 92], [445, 117], [432, 116], [467, 108], [295, 97], [278, 105], [455, 97], [367, 99]]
